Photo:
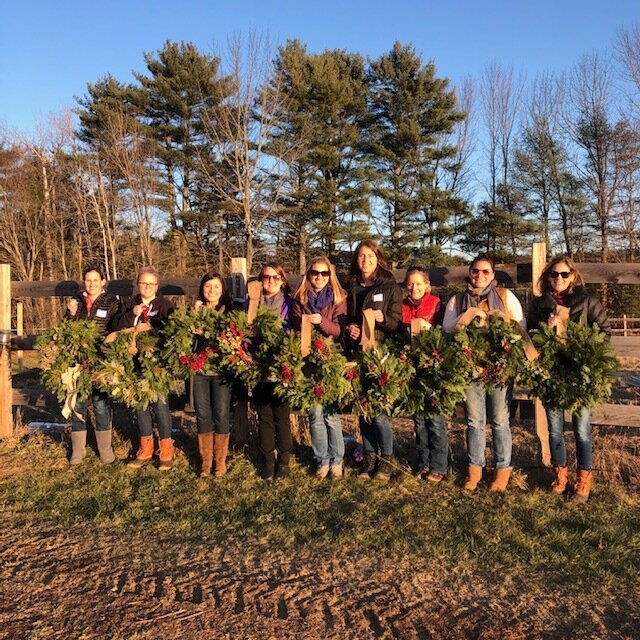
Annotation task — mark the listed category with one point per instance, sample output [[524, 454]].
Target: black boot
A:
[[384, 471], [269, 466], [283, 466], [368, 465]]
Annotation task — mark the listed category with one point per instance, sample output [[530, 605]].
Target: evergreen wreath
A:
[[132, 371], [248, 351], [380, 382], [191, 341], [442, 374], [68, 354], [574, 372], [496, 349], [316, 379]]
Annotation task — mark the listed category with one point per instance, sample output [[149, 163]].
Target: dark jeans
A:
[[101, 412], [432, 443], [212, 399], [377, 435], [274, 427], [163, 420]]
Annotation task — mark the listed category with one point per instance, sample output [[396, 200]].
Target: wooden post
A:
[[6, 392], [238, 279], [624, 324], [20, 330], [538, 260]]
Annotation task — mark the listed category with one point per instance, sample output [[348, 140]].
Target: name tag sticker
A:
[[378, 297], [101, 313]]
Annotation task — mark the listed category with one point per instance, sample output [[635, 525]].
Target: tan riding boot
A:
[[559, 485], [144, 453], [166, 454], [583, 486], [205, 446], [501, 480], [474, 475], [220, 450], [78, 446]]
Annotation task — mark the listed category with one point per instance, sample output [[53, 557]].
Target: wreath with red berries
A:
[[316, 379], [191, 341], [497, 350], [442, 371], [380, 382]]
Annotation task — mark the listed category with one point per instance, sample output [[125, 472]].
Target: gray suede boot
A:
[[78, 446], [103, 440]]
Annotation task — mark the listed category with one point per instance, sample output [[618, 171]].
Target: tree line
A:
[[287, 153]]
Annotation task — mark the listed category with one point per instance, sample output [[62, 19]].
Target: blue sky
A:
[[49, 50]]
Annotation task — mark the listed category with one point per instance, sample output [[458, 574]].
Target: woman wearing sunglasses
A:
[[483, 296], [274, 428], [373, 287], [561, 285], [322, 298]]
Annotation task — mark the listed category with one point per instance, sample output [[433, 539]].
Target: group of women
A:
[[372, 293]]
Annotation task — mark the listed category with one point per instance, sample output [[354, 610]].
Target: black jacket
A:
[[161, 309], [385, 295], [104, 310], [585, 308]]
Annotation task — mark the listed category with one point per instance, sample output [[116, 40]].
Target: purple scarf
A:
[[473, 297], [321, 300]]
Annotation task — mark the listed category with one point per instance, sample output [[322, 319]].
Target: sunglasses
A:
[[475, 272], [274, 278], [560, 274], [314, 272]]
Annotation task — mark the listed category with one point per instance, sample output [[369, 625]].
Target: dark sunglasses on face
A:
[[269, 277], [475, 272], [314, 272], [560, 274]]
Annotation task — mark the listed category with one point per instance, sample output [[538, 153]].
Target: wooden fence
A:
[[517, 275]]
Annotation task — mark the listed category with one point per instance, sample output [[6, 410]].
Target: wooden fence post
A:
[[538, 260], [6, 391], [238, 279], [20, 331]]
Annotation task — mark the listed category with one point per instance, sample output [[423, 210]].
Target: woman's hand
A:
[[554, 321], [72, 306], [378, 316], [316, 318], [353, 330]]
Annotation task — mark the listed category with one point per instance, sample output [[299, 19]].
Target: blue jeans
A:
[[163, 420], [101, 412], [377, 435], [212, 399], [581, 423], [480, 405], [432, 443], [326, 435]]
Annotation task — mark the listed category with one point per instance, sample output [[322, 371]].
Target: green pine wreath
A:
[[380, 382], [132, 370], [496, 349], [68, 354], [574, 372], [442, 374], [185, 329], [316, 379]]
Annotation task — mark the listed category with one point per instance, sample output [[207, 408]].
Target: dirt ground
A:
[[85, 583]]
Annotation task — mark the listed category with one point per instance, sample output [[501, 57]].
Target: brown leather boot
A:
[[205, 446], [501, 480], [220, 450], [559, 485], [474, 475], [166, 454], [144, 454], [385, 469], [583, 486]]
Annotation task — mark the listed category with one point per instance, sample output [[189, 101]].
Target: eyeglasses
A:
[[560, 274], [323, 274], [475, 272], [275, 278], [147, 284]]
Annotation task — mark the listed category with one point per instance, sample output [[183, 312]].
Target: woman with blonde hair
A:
[[321, 296], [561, 285]]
